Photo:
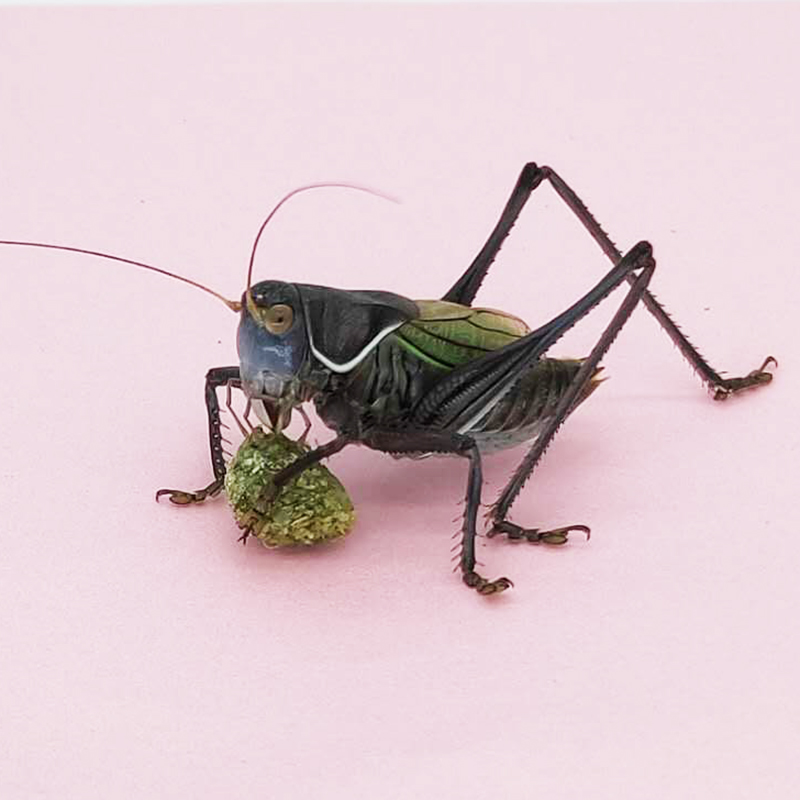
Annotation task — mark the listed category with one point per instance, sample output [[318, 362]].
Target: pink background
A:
[[146, 654]]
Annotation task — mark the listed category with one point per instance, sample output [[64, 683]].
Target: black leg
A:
[[417, 440], [280, 479], [408, 441], [499, 512], [288, 473], [215, 378], [465, 393], [465, 289]]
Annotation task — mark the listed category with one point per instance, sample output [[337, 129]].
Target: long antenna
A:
[[308, 187], [233, 305]]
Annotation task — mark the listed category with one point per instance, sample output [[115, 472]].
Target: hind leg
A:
[[466, 287], [500, 524]]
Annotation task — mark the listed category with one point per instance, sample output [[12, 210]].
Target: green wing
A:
[[449, 334]]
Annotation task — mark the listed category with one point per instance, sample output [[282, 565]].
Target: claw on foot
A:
[[181, 498], [557, 536], [482, 586], [758, 377], [245, 536]]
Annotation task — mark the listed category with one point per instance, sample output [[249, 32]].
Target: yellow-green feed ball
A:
[[313, 507]]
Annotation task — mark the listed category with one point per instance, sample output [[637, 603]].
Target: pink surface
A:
[[146, 654]]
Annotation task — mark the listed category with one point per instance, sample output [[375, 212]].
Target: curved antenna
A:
[[307, 187], [233, 305]]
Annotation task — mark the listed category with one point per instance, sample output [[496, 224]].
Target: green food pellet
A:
[[312, 508]]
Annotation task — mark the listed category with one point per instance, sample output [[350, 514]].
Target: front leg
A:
[[215, 378], [406, 441], [280, 479], [283, 477]]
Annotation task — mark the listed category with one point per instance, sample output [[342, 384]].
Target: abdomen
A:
[[524, 411]]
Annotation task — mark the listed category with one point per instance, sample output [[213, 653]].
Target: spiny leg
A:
[[280, 479], [406, 441], [465, 393], [722, 388], [499, 511], [271, 489], [215, 378], [435, 441], [465, 289]]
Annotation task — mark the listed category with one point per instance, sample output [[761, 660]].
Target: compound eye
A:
[[278, 318]]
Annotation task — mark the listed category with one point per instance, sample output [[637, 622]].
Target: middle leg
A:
[[421, 440]]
